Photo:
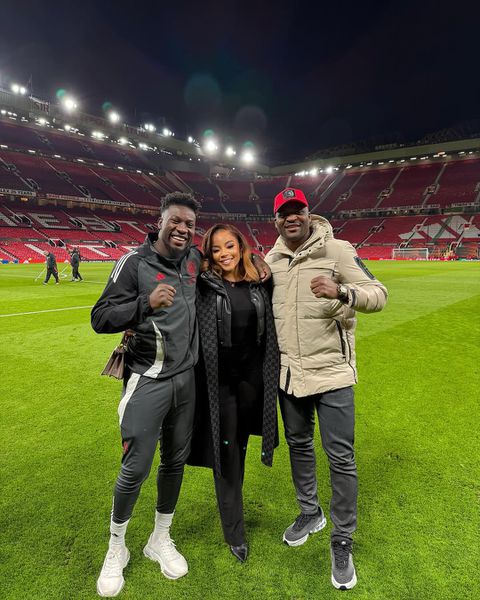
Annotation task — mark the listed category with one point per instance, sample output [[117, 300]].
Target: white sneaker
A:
[[110, 582], [162, 549]]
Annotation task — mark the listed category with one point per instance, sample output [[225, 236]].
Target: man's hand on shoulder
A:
[[162, 296], [324, 287], [263, 269]]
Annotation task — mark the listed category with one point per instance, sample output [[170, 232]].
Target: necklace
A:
[[230, 283]]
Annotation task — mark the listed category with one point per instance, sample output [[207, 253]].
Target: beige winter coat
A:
[[316, 336]]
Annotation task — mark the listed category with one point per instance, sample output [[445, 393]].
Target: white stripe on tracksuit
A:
[[131, 385], [157, 366], [119, 265]]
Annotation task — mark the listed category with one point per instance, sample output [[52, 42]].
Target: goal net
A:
[[410, 254]]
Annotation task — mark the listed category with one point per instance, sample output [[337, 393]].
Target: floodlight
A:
[[149, 127], [190, 139], [143, 146], [67, 127], [122, 141], [166, 132], [69, 103], [113, 117], [98, 134], [42, 121], [313, 172], [230, 151], [18, 89], [248, 157], [211, 146], [329, 170]]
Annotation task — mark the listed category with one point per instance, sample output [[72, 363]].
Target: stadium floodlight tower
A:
[[410, 254]]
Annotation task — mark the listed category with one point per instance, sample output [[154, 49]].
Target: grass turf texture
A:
[[417, 445]]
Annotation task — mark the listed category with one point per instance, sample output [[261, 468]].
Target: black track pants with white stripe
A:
[[154, 411]]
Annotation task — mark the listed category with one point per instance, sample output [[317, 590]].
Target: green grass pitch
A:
[[417, 446]]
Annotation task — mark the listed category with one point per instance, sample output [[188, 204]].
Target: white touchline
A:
[[37, 312]]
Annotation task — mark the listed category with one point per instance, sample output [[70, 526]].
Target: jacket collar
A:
[[147, 250], [215, 282]]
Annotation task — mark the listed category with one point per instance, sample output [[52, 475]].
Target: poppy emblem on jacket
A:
[[125, 447], [160, 276]]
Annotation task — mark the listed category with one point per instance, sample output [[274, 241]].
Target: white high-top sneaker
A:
[[161, 548], [110, 582]]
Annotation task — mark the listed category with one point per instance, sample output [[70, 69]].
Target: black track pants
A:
[[51, 272], [153, 411], [76, 273]]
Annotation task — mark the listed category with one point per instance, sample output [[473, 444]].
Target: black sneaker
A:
[[343, 569], [298, 532]]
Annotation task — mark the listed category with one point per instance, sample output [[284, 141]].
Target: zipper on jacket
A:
[[350, 361], [178, 269], [287, 380], [342, 341]]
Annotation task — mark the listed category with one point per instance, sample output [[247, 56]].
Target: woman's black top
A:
[[244, 353]]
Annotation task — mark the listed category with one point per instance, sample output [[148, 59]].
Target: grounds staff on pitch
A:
[[318, 284]]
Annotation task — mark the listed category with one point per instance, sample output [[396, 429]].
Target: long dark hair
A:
[[246, 268]]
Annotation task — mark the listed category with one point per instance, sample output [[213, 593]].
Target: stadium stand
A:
[[237, 196], [62, 189], [369, 188], [410, 185], [459, 184]]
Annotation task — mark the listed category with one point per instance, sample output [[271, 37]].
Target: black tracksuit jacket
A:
[[166, 339]]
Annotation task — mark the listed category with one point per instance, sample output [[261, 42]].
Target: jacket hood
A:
[[321, 232]]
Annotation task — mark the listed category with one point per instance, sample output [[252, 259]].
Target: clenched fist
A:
[[324, 287], [162, 296]]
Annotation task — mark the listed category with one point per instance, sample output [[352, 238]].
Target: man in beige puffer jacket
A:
[[318, 284]]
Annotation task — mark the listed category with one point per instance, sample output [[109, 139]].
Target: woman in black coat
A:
[[237, 375]]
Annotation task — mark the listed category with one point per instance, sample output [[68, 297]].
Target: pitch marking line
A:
[[37, 312]]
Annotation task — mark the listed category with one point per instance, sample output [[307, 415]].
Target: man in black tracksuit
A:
[[51, 265], [75, 262], [151, 291]]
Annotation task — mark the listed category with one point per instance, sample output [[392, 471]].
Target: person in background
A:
[[75, 262], [319, 283], [237, 375], [51, 266]]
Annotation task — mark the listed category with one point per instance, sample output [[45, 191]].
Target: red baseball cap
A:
[[289, 195]]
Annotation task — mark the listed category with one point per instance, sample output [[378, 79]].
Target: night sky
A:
[[291, 77]]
